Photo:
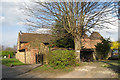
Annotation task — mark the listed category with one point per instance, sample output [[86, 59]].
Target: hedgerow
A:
[[61, 58], [6, 53]]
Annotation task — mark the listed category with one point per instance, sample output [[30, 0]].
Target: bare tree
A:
[[76, 17]]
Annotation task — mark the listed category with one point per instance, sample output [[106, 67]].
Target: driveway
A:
[[13, 72], [90, 71]]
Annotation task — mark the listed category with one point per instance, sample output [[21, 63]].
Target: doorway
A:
[[39, 59]]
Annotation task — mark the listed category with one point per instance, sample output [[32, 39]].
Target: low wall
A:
[[20, 56]]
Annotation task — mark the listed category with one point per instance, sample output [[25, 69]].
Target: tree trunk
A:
[[77, 42], [94, 58], [109, 54]]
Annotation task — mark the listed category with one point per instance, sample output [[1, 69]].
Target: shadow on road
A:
[[115, 68], [13, 72]]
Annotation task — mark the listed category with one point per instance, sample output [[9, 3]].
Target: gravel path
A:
[[90, 71]]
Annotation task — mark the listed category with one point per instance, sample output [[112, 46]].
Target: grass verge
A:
[[13, 61], [109, 63], [47, 68], [51, 71]]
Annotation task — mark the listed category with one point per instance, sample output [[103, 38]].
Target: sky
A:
[[11, 24], [9, 20]]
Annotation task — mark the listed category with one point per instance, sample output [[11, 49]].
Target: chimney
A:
[[20, 32]]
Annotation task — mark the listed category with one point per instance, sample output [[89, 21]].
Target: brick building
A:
[[29, 55], [88, 52]]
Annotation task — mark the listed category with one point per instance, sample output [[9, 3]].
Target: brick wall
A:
[[20, 56], [29, 56]]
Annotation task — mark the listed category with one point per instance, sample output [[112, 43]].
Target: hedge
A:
[[6, 53], [61, 58]]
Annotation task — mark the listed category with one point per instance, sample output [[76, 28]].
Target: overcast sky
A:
[[10, 23]]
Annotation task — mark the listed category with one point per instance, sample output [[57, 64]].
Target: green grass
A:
[[108, 63], [13, 61], [52, 70], [49, 69]]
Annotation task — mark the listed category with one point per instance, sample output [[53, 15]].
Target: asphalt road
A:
[[13, 72]]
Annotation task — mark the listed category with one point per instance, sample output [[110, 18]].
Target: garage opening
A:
[[86, 55]]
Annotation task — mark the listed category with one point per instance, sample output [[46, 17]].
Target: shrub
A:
[[61, 58], [77, 64], [6, 53], [103, 48]]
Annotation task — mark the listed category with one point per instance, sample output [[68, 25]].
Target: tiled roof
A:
[[88, 44], [95, 36], [27, 37], [24, 46]]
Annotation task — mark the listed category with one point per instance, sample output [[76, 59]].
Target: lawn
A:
[[13, 61], [47, 68]]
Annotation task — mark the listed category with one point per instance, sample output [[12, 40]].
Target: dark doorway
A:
[[86, 55], [39, 59]]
